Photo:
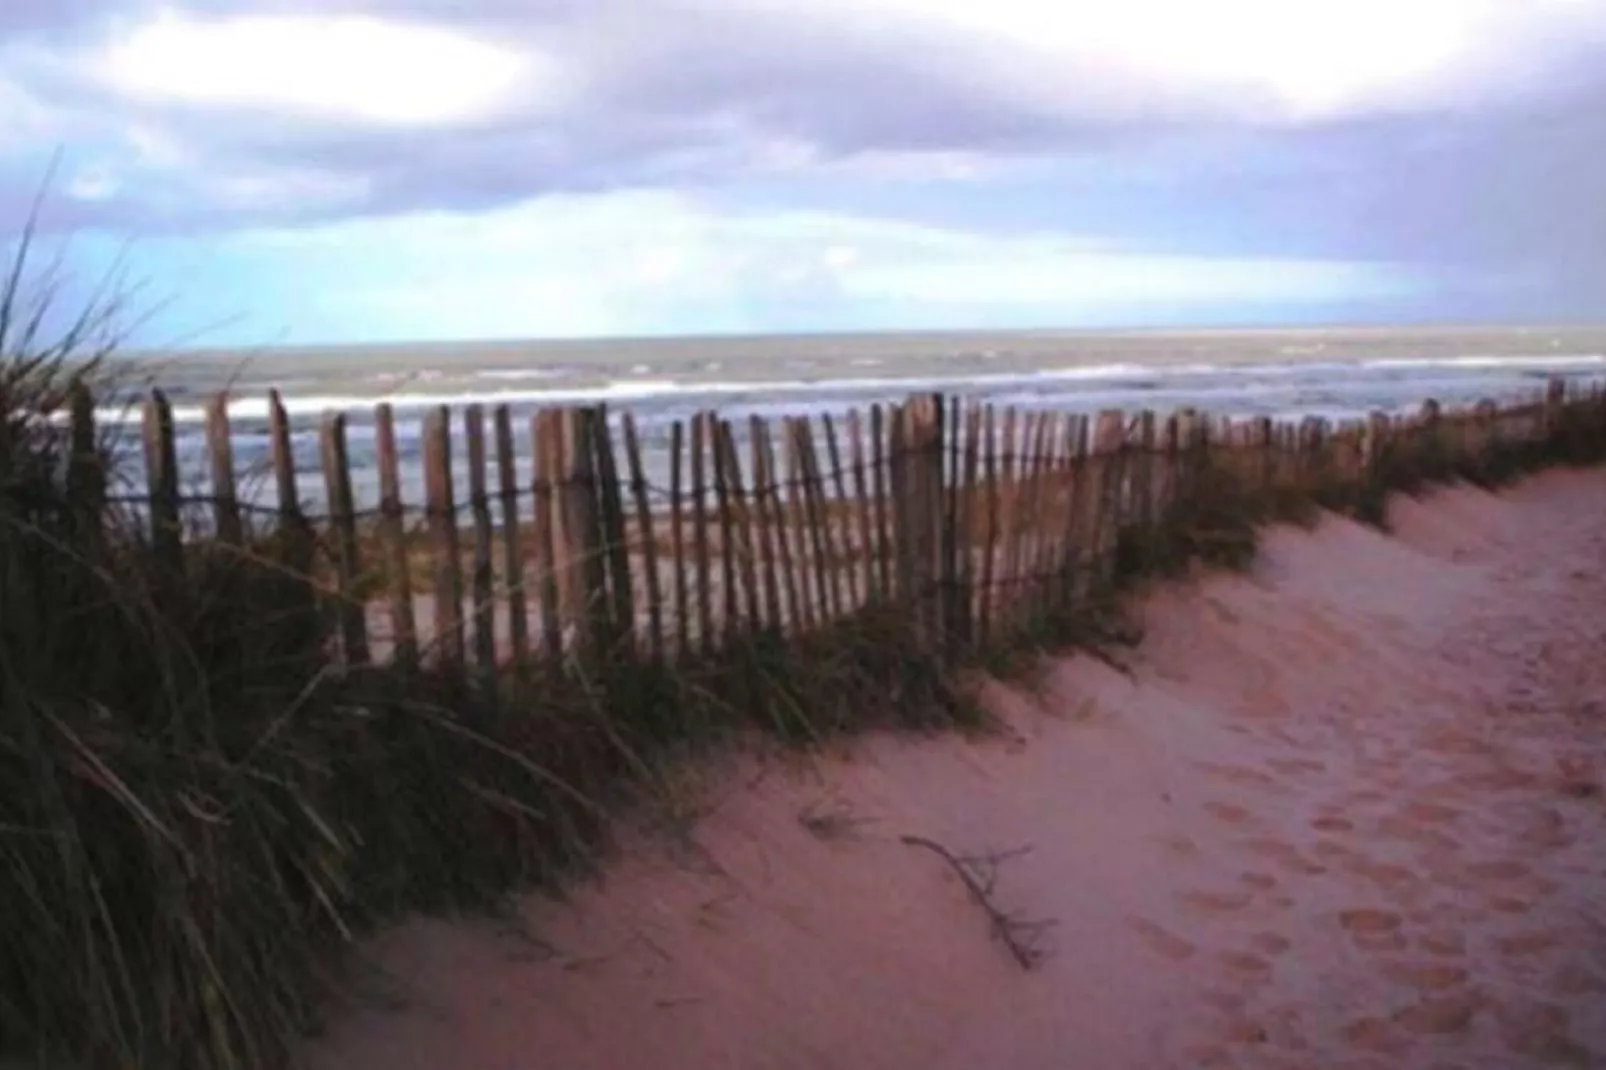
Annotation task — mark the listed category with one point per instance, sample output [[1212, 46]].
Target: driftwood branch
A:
[[980, 875]]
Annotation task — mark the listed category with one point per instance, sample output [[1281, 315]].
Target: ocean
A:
[[1335, 373]]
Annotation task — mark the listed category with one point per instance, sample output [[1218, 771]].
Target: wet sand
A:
[[1345, 811]]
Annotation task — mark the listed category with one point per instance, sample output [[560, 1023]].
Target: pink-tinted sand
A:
[[1346, 812]]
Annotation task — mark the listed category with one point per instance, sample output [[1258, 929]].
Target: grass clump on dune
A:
[[194, 810]]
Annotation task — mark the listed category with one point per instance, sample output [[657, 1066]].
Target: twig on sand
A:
[[979, 875]]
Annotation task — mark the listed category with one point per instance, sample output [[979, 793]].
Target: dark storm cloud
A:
[[1514, 193]]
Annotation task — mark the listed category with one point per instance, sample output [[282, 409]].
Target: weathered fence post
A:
[[544, 432], [393, 538], [649, 539], [619, 616], [507, 485], [86, 475], [161, 470], [917, 513], [771, 534], [746, 555], [583, 538], [351, 604], [295, 530], [1429, 451], [442, 511], [1109, 448], [220, 454], [482, 574], [701, 544]]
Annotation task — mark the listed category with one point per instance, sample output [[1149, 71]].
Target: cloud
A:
[[353, 68], [520, 99]]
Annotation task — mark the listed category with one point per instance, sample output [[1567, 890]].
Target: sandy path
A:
[[1346, 812]]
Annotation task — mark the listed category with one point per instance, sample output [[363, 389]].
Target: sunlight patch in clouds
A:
[[346, 67], [654, 263]]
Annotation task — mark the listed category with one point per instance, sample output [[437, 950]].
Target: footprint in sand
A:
[[1285, 855], [1245, 963], [1408, 830], [1333, 851], [1398, 884], [1385, 874], [1379, 943], [1444, 943], [1272, 944], [1161, 940], [1426, 976], [1499, 870], [1333, 824], [1376, 1035], [1440, 1015], [1237, 774], [1260, 882], [1216, 902], [1373, 930], [1227, 813]]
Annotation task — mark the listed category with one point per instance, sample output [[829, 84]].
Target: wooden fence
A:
[[970, 521]]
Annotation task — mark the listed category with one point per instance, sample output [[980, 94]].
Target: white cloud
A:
[[348, 67]]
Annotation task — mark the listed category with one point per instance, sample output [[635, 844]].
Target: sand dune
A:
[[1346, 811]]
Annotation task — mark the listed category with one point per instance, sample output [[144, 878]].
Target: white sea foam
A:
[[1538, 361], [1113, 382]]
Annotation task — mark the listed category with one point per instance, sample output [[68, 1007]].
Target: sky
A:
[[317, 171]]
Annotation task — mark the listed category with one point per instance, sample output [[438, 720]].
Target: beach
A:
[[1343, 810]]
